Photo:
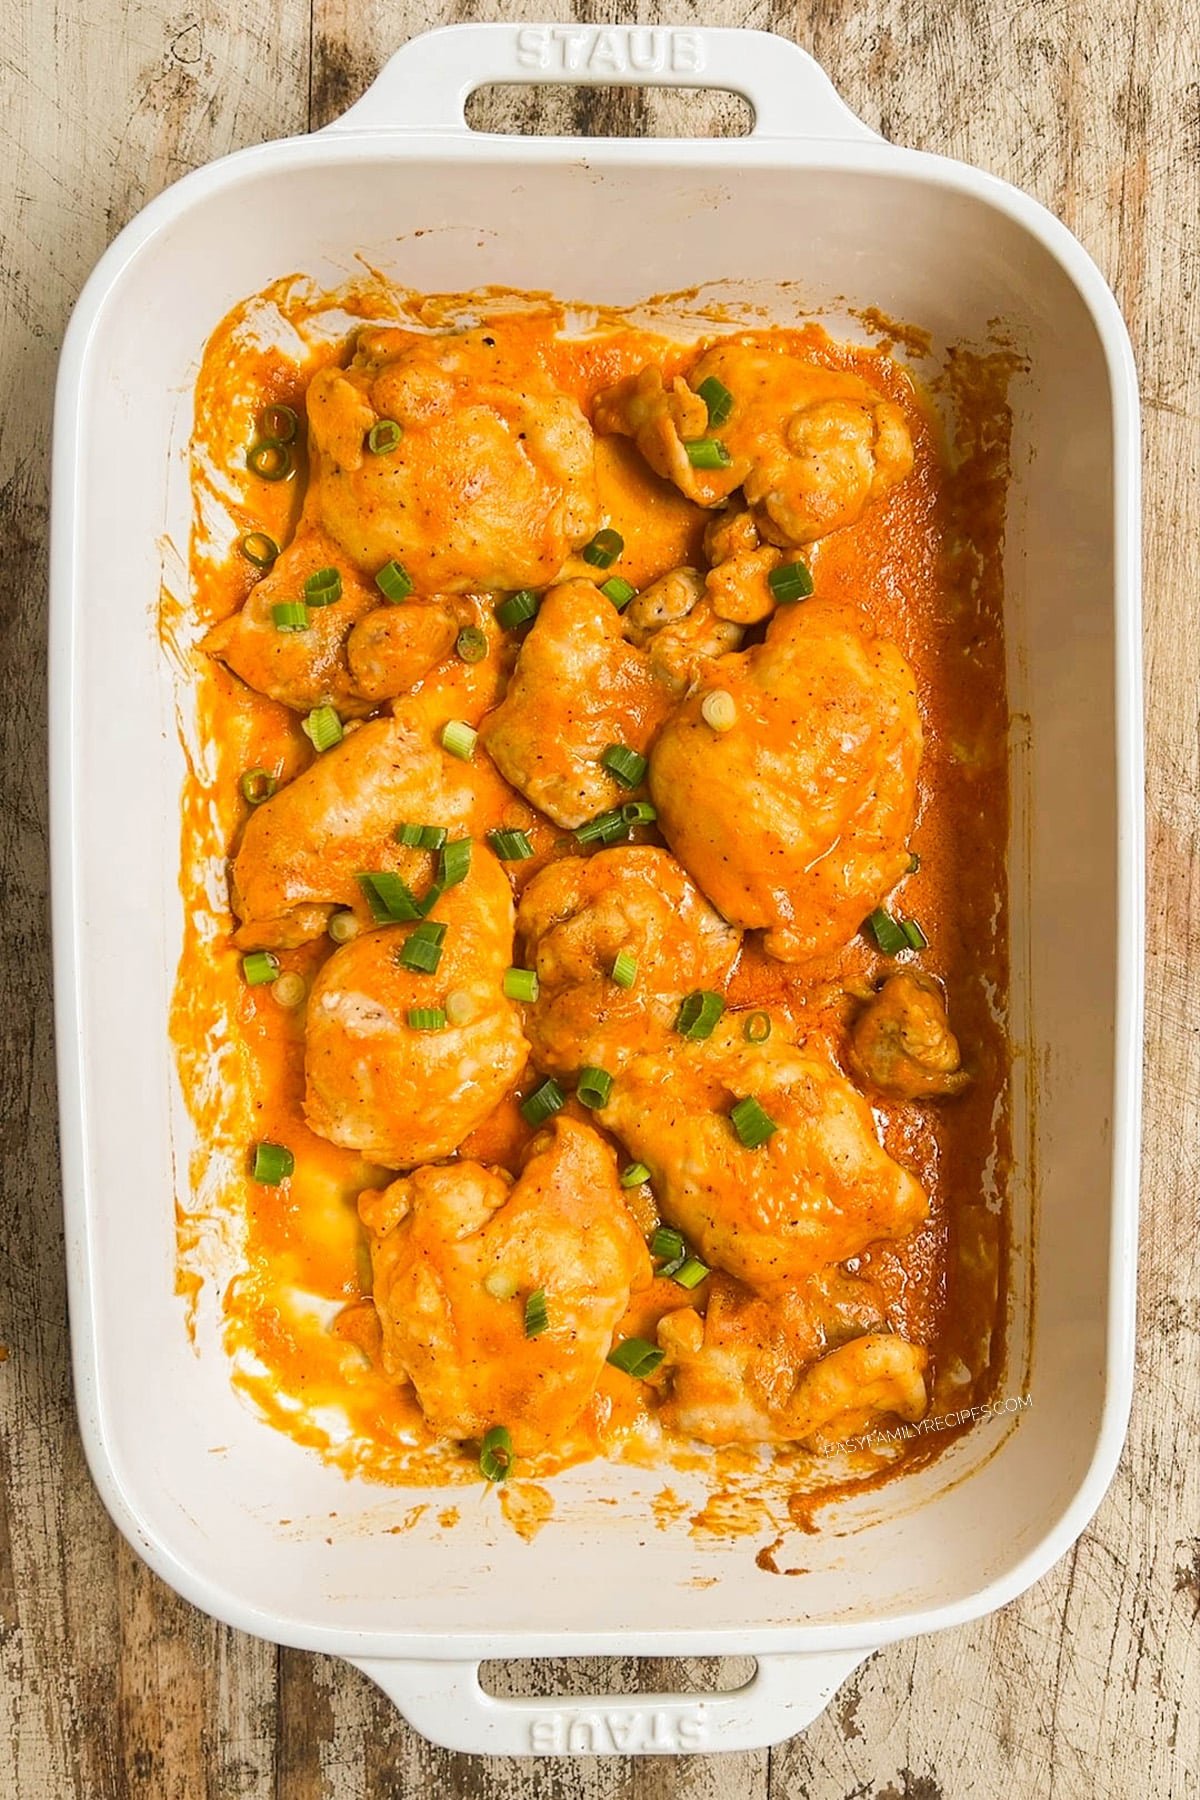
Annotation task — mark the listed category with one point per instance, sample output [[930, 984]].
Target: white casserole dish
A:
[[195, 1481]]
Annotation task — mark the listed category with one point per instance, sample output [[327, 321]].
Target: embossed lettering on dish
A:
[[614, 51], [580, 1733]]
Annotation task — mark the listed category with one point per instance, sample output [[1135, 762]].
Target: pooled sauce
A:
[[923, 565]]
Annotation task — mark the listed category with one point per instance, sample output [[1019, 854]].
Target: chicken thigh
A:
[[578, 915], [818, 1190], [457, 1252], [376, 1079], [490, 482], [795, 818], [901, 1042]]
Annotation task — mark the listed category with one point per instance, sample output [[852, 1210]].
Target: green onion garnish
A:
[[289, 615], [322, 728], [343, 926], [790, 581], [422, 950], [624, 969], [455, 863], [273, 1163], [757, 1028], [459, 739], [383, 436], [536, 1316], [594, 1088], [259, 966], [605, 828], [278, 424], [718, 399], [470, 646], [698, 1014], [394, 583], [604, 549], [887, 934], [618, 590], [707, 453], [392, 901], [521, 984], [633, 1175], [543, 1103], [752, 1124], [518, 609], [420, 837], [323, 587], [495, 1454], [269, 459], [914, 934], [426, 1018], [914, 863], [627, 765], [635, 1356], [691, 1272], [638, 812], [510, 846], [257, 785], [259, 549], [667, 1244]]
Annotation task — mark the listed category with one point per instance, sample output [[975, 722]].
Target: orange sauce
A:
[[924, 566]]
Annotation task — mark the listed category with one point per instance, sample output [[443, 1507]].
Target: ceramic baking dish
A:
[[810, 213]]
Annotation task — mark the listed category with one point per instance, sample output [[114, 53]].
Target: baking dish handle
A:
[[446, 1704], [426, 84]]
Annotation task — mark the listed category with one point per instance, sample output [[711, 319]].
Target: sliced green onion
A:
[[269, 459], [422, 950], [510, 846], [667, 1244], [394, 582], [392, 901], [639, 812], [322, 728], [495, 1454], [594, 1087], [757, 1028], [624, 969], [543, 1103], [605, 828], [383, 436], [259, 549], [618, 590], [887, 934], [521, 984], [343, 926], [455, 863], [273, 1163], [635, 1356], [691, 1272], [323, 587], [459, 739], [518, 609], [752, 1124], [470, 646], [278, 424], [790, 581], [604, 549], [420, 837], [719, 710], [426, 1018], [627, 765], [289, 990], [289, 615], [914, 934], [633, 1175], [536, 1316], [718, 399], [698, 1014], [707, 453], [914, 863], [257, 785], [501, 1286], [259, 966], [460, 1007]]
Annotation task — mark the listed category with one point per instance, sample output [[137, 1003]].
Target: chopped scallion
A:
[[914, 934], [718, 399], [278, 424], [510, 846], [752, 1124], [383, 436], [455, 863], [536, 1317], [392, 901], [518, 609], [259, 549], [790, 581], [420, 837], [635, 1356], [604, 549], [667, 1244], [394, 582], [495, 1454], [289, 990], [719, 710], [618, 590], [624, 969], [470, 646], [259, 967], [707, 453], [757, 1028], [289, 615], [322, 728], [422, 951], [639, 812], [323, 587], [270, 460], [273, 1163], [426, 1018], [887, 933], [698, 1014], [633, 1175], [914, 863], [691, 1272], [543, 1103], [521, 984], [343, 926], [605, 828], [594, 1087], [627, 765], [257, 785], [459, 739]]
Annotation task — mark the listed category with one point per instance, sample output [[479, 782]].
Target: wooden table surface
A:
[[109, 1684]]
